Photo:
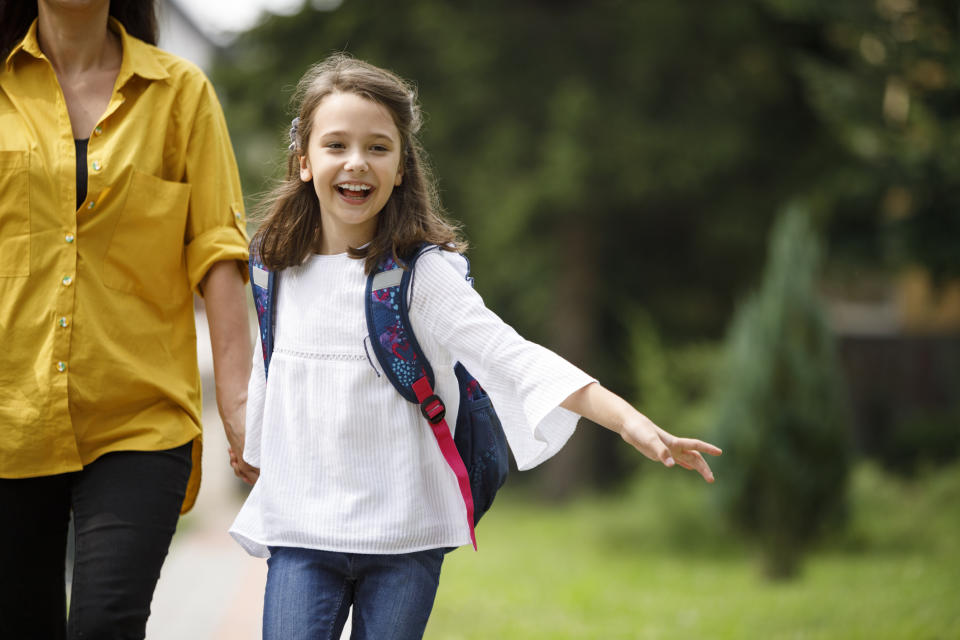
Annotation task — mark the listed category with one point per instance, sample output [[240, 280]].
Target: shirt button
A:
[[96, 165], [61, 366], [91, 205], [68, 238], [67, 281], [98, 130], [63, 322]]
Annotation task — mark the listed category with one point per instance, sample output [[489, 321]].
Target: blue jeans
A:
[[309, 594]]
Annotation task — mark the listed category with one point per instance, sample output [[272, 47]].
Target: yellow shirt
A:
[[96, 305]]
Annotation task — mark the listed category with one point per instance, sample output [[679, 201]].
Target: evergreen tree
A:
[[781, 414]]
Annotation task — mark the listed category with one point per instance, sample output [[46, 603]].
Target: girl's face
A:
[[353, 159]]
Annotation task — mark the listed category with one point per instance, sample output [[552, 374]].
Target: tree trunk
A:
[[572, 335]]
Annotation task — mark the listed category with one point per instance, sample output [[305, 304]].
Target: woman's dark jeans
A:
[[125, 508]]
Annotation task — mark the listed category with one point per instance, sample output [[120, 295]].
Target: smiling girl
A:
[[355, 503]]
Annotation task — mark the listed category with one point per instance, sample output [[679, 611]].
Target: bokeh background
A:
[[743, 216]]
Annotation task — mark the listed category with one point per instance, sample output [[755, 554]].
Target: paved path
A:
[[209, 589]]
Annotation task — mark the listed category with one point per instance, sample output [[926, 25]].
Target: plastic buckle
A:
[[433, 409]]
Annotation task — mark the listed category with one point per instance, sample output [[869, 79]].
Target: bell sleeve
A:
[[525, 381]]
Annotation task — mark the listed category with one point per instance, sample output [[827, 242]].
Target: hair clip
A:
[[293, 133]]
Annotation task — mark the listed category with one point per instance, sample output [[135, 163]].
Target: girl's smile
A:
[[353, 159], [354, 192]]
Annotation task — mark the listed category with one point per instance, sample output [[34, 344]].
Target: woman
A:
[[119, 197]]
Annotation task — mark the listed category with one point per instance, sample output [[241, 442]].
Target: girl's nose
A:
[[356, 162]]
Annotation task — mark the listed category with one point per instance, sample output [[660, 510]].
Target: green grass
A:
[[656, 562]]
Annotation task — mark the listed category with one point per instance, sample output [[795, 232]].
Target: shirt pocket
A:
[[146, 252], [14, 213]]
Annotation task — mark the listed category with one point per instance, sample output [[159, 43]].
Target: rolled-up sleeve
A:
[[216, 224]]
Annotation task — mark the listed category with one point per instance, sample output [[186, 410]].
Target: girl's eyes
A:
[[339, 146]]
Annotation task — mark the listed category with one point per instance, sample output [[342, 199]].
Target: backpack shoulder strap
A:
[[263, 284], [403, 362], [388, 323]]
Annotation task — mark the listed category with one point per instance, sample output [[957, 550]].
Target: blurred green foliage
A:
[[882, 80], [648, 134], [782, 417], [610, 156], [673, 381]]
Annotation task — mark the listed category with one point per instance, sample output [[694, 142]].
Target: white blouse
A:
[[346, 464]]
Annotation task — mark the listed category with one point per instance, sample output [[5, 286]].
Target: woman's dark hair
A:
[[412, 216], [138, 17]]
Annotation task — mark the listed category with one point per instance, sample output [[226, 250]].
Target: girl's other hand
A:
[[655, 443], [609, 410]]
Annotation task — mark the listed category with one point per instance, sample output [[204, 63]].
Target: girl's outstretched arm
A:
[[604, 407]]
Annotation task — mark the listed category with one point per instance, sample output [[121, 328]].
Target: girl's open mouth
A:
[[354, 192]]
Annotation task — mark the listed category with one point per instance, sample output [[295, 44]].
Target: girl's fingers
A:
[[692, 444], [694, 461]]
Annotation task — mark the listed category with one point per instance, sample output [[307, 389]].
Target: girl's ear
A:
[[306, 174]]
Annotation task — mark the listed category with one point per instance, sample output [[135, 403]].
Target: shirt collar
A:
[[139, 58], [29, 44]]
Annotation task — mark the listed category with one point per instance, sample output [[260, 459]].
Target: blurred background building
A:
[[182, 34]]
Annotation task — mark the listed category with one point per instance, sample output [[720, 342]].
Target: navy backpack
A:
[[477, 453]]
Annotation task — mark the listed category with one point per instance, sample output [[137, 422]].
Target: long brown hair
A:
[[138, 17], [412, 216]]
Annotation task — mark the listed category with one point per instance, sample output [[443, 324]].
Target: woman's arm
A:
[[607, 409], [224, 294]]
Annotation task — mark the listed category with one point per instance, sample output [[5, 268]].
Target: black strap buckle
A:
[[433, 409]]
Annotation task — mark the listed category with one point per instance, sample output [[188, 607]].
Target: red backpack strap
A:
[[433, 409]]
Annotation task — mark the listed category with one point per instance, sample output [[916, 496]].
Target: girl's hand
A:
[[613, 412], [655, 443]]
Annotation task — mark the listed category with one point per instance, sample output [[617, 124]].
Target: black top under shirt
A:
[[81, 147]]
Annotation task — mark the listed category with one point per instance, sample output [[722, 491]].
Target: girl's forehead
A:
[[350, 113]]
